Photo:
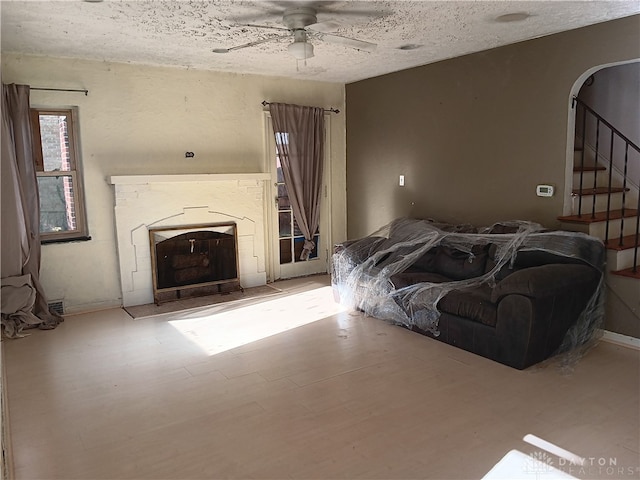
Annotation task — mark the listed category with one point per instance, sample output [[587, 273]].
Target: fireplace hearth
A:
[[190, 261]]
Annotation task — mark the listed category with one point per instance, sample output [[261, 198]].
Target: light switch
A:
[[402, 180]]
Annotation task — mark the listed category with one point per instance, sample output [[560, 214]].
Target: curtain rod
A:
[[86, 92], [331, 110]]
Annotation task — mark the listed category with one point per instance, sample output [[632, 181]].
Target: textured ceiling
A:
[[184, 33]]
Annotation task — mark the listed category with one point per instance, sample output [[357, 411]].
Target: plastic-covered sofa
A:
[[512, 292]]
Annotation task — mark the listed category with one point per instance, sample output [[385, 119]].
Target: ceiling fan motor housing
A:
[[296, 19], [299, 18]]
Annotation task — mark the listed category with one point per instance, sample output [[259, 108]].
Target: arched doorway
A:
[[612, 90]]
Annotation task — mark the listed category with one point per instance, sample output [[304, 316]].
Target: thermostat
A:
[[544, 190]]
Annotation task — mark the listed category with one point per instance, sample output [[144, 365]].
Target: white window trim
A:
[[81, 232]]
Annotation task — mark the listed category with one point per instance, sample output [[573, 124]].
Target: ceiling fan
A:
[[302, 23]]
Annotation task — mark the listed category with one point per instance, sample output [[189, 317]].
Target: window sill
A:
[[48, 241]]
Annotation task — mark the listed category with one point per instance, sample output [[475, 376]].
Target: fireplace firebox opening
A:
[[194, 260]]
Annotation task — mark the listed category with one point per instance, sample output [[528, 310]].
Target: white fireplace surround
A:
[[144, 201]]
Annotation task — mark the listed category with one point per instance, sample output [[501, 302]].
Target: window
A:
[[55, 151]]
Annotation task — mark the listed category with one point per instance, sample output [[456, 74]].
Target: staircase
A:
[[605, 204]]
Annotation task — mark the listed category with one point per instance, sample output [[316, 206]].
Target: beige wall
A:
[[142, 120], [473, 135]]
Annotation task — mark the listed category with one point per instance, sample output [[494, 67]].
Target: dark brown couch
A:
[[511, 292]]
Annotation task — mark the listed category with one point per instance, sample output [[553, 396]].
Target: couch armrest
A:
[[535, 312], [544, 281], [518, 333]]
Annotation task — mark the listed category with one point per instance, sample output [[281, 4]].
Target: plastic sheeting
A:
[[363, 269]]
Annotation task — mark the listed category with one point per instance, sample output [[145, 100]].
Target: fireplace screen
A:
[[194, 261]]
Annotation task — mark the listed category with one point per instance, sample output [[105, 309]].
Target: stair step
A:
[[627, 242], [599, 191], [590, 174], [586, 218], [602, 202], [621, 259], [588, 168], [628, 272]]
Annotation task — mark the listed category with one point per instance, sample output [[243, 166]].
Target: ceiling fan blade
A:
[[250, 44], [325, 26], [346, 41], [355, 13], [260, 26], [317, 5]]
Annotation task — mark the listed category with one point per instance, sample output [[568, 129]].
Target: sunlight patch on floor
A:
[[216, 330]]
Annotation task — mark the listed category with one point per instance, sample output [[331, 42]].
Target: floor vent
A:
[[57, 307]]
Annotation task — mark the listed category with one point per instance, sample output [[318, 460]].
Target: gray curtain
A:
[[299, 135], [23, 301]]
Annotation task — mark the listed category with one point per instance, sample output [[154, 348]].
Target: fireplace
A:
[[192, 261], [146, 202]]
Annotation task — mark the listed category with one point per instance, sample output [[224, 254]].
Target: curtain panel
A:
[[299, 132], [24, 303]]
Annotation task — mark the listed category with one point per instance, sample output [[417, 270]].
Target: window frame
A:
[[75, 171]]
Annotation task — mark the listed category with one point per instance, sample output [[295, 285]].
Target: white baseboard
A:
[[619, 339]]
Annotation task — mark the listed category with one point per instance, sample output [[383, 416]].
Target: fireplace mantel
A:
[[198, 177], [142, 202]]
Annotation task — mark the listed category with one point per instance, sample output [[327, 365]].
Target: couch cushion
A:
[[409, 277], [501, 274], [427, 261], [501, 229], [504, 271], [473, 304], [533, 258], [460, 265], [525, 259], [544, 280]]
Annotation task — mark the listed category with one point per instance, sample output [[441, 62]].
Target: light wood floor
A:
[[345, 396]]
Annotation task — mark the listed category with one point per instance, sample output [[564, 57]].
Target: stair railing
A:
[[614, 134]]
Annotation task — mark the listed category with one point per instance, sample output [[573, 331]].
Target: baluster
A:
[[584, 129], [595, 171], [624, 190], [606, 230], [635, 253]]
